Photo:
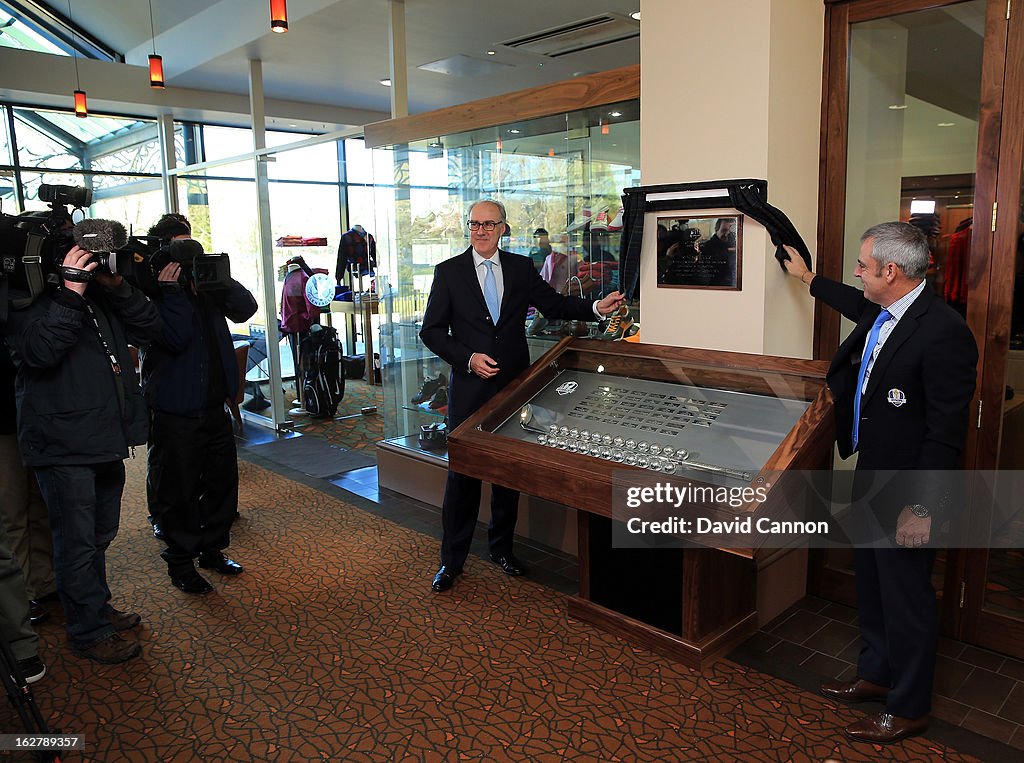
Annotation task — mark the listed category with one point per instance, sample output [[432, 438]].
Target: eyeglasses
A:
[[487, 225]]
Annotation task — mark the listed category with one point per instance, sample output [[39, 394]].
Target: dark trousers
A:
[[85, 512], [192, 483], [459, 513], [15, 627], [898, 625]]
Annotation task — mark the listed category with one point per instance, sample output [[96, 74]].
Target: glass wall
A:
[[560, 179], [117, 158]]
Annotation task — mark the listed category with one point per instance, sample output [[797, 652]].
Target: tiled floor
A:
[[975, 689]]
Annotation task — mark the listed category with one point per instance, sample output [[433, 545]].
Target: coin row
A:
[[584, 436], [610, 453]]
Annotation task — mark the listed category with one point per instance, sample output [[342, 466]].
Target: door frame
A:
[[988, 629]]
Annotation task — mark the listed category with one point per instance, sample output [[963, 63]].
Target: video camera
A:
[[33, 246]]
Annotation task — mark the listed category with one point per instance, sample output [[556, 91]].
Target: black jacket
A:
[[72, 408], [456, 323], [176, 364], [914, 413]]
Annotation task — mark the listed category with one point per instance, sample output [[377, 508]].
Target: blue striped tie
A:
[[491, 292], [869, 347]]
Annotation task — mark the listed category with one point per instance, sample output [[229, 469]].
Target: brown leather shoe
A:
[[110, 651], [857, 690], [884, 728]]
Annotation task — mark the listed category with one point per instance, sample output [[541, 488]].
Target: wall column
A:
[[732, 89]]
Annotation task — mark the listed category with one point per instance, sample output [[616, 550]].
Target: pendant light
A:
[[278, 16], [81, 107], [156, 63]]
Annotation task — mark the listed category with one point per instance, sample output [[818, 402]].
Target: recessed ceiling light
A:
[[946, 124], [615, 113], [386, 82], [898, 106], [635, 15], [514, 131], [490, 52], [291, 125]]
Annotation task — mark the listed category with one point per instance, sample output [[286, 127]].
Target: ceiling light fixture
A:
[[156, 63], [490, 52], [81, 107], [898, 106], [946, 124], [278, 16], [514, 131], [386, 82], [635, 15], [615, 113]]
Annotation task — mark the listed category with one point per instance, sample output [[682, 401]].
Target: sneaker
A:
[[537, 325], [427, 389], [123, 621], [600, 221], [618, 325], [616, 223], [440, 398], [31, 669], [110, 651], [584, 219]]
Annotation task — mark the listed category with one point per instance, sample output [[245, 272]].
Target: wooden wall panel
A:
[[568, 95]]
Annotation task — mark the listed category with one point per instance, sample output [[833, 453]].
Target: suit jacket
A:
[[456, 323], [914, 412]]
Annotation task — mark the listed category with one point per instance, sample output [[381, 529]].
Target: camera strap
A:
[[115, 365], [33, 264]]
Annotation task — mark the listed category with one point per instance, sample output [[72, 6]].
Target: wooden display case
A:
[[768, 416]]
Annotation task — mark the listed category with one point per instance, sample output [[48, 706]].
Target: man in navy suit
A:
[[475, 321], [902, 381]]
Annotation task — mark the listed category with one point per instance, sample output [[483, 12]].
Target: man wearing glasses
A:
[[475, 321]]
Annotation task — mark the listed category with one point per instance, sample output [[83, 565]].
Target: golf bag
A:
[[323, 377]]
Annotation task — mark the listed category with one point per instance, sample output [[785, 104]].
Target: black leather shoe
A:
[[217, 562], [36, 612], [157, 532], [509, 564], [190, 581], [445, 578]]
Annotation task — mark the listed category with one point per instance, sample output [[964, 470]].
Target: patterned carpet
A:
[[349, 429], [331, 647]]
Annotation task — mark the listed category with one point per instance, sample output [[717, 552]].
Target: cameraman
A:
[[188, 375], [80, 409]]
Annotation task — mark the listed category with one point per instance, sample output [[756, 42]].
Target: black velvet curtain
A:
[[747, 196]]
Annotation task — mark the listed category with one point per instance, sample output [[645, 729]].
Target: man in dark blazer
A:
[[475, 321], [911, 361]]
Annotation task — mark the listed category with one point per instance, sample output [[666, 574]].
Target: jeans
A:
[[85, 510]]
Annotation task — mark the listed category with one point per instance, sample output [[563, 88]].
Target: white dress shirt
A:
[[897, 309]]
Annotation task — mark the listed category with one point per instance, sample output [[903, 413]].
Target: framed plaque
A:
[[700, 252]]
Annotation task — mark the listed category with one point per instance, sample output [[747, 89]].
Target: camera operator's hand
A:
[[108, 280], [170, 274], [78, 259]]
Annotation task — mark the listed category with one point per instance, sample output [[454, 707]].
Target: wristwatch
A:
[[920, 511]]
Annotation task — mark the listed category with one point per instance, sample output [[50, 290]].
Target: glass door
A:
[[912, 140], [992, 590]]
